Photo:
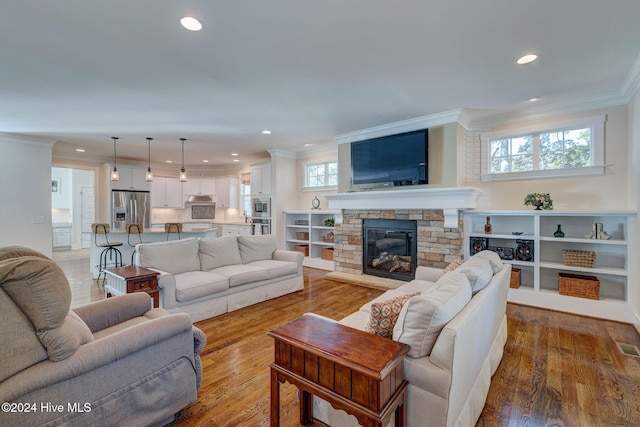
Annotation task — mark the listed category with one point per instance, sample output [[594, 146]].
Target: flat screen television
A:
[[390, 161]]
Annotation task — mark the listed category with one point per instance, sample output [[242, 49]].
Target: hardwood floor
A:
[[558, 369]]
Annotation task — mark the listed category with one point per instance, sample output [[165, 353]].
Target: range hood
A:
[[200, 200]]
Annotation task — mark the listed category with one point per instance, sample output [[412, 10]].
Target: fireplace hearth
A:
[[389, 248]]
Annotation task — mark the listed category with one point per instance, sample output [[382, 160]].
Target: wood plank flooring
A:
[[558, 369]]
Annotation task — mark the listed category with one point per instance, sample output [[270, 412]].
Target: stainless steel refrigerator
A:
[[130, 207]]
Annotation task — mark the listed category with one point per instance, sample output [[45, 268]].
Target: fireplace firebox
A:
[[389, 248]]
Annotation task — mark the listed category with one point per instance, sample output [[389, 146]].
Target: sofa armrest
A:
[[105, 313], [290, 256], [429, 274], [167, 287], [102, 352]]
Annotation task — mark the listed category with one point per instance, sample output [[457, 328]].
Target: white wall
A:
[[25, 174], [285, 189], [608, 191], [634, 178]]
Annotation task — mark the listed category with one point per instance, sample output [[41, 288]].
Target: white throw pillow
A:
[[423, 316], [478, 271], [493, 258], [218, 252]]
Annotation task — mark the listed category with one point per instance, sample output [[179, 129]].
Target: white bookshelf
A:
[[311, 222], [615, 267]]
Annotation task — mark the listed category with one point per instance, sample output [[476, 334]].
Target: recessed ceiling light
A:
[[190, 23], [168, 161], [527, 59], [266, 132], [236, 160], [205, 161], [534, 99], [308, 145], [234, 154], [80, 150]]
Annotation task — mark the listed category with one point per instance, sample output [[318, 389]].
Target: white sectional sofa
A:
[[457, 329], [207, 277]]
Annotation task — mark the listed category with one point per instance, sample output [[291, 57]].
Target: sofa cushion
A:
[[413, 286], [384, 315], [175, 257], [241, 274], [196, 284], [493, 258], [478, 271], [39, 288], [256, 248], [423, 317], [453, 265], [218, 252], [277, 268]]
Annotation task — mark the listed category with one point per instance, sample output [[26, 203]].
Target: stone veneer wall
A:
[[437, 245]]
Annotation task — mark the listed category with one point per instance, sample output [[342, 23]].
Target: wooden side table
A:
[[358, 372], [125, 280]]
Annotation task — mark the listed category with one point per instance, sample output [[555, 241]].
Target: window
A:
[[321, 174], [245, 193], [574, 149]]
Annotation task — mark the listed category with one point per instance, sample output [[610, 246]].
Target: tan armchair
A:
[[113, 362]]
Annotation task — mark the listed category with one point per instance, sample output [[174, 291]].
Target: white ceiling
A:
[[79, 71]]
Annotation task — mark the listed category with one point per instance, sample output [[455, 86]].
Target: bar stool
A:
[[110, 250], [135, 229], [172, 228]]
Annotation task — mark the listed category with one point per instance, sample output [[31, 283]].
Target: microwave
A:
[[261, 207]]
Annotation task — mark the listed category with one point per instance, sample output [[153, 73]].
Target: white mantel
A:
[[449, 199]]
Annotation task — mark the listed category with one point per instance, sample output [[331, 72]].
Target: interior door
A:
[[87, 215]]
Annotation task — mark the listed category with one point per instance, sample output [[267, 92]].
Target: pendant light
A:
[[183, 171], [114, 173], [149, 173]]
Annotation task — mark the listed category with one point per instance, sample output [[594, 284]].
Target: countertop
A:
[[61, 225], [186, 229]]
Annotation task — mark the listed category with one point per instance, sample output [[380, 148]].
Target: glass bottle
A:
[[559, 232], [487, 227]]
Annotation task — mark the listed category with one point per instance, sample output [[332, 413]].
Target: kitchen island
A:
[[148, 236]]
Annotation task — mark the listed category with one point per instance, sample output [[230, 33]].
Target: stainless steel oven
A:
[[261, 207]]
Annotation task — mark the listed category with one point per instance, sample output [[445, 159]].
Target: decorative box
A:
[[577, 285], [327, 253], [302, 248], [515, 278]]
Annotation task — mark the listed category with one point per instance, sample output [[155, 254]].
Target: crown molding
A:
[[400, 127], [631, 84], [276, 152], [27, 139]]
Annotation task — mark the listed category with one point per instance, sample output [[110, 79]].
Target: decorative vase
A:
[[559, 232], [487, 227], [538, 205]]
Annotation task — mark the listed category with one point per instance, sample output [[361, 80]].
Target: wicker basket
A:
[[585, 259], [302, 235], [576, 285], [327, 254], [302, 248], [515, 278]]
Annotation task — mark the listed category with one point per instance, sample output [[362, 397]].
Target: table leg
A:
[[275, 399], [306, 408], [401, 411]]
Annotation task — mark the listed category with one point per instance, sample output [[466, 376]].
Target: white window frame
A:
[[596, 123], [306, 176]]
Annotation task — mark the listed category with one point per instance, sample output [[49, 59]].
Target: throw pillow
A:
[[479, 272], [423, 317], [384, 315], [492, 257], [452, 265]]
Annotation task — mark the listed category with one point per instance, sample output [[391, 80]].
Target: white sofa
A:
[[448, 385], [207, 277]]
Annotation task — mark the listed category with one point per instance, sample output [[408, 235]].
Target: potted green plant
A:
[[539, 200]]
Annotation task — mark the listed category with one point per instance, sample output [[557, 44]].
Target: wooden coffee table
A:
[[358, 372]]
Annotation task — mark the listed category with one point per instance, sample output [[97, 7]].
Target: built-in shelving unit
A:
[[615, 265], [313, 224]]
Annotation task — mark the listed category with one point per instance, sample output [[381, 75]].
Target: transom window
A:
[[321, 174], [572, 150]]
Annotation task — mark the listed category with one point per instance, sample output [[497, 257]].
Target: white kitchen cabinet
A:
[[198, 187], [227, 192], [61, 237], [166, 193], [130, 178], [615, 266], [261, 179], [236, 230]]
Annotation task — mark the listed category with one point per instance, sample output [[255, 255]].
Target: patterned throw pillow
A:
[[453, 265], [384, 315]]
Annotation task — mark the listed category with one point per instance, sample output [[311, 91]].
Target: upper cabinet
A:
[[198, 187], [131, 178], [166, 193], [261, 179], [227, 192]]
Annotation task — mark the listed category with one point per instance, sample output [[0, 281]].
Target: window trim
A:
[[306, 186], [596, 123]]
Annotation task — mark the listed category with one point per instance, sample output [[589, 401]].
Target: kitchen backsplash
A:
[[160, 216]]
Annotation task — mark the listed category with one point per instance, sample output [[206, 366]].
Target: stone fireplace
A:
[[437, 214]]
